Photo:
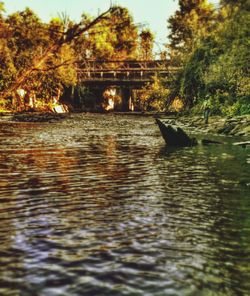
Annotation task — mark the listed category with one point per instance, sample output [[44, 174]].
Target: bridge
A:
[[123, 77], [122, 72]]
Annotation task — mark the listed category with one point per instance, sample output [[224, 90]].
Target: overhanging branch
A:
[[70, 34]]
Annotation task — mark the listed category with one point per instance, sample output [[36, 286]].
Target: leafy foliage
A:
[[146, 44], [216, 64], [41, 58], [210, 48], [192, 21], [114, 37], [153, 96]]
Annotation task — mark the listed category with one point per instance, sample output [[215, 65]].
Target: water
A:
[[96, 205]]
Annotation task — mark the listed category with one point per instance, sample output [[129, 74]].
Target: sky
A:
[[152, 14]]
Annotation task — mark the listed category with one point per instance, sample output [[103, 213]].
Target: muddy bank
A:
[[234, 126], [32, 117]]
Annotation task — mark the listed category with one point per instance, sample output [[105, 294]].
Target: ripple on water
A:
[[96, 205]]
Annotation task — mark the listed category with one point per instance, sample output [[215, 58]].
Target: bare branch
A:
[[64, 63]]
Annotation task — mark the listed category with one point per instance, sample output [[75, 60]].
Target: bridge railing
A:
[[131, 70]]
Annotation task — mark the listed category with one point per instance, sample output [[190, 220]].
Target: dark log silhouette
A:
[[175, 136]]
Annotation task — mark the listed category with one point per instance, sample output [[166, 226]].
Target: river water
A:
[[97, 205]]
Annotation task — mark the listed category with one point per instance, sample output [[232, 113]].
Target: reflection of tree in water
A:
[[71, 187]]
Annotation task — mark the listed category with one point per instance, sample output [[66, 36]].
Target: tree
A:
[[192, 84], [191, 25], [227, 78], [35, 50], [192, 22], [153, 96], [121, 22], [146, 44], [7, 70], [114, 37], [217, 66]]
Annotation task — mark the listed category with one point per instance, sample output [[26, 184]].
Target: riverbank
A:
[[32, 116], [233, 126]]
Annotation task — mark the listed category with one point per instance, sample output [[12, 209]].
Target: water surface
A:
[[97, 205]]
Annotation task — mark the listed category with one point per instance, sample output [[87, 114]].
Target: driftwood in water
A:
[[244, 144], [175, 136], [207, 142]]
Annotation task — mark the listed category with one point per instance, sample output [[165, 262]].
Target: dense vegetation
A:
[[208, 45], [211, 47], [39, 60]]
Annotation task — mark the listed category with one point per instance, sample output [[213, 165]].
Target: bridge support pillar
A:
[[126, 93]]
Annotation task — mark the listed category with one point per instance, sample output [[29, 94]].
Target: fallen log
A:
[[244, 144], [175, 136]]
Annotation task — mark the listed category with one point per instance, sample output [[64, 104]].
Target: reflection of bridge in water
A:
[[124, 75]]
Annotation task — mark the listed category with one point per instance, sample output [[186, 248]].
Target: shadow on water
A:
[[93, 206]]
